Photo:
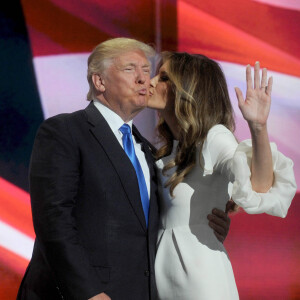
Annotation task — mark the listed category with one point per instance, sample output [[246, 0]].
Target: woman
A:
[[198, 159]]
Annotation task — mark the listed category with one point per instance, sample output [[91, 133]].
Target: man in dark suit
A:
[[94, 204]]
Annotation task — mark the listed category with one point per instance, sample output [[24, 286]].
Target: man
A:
[[94, 203]]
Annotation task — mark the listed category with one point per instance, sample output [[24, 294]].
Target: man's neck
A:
[[119, 110]]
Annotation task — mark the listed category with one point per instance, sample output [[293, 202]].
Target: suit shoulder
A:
[[65, 118], [57, 132], [61, 124]]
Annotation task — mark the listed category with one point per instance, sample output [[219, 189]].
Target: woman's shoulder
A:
[[218, 128], [219, 134], [220, 142]]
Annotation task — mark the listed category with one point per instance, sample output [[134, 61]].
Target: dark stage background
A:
[[44, 45]]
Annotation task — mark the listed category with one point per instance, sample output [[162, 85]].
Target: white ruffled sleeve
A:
[[278, 199], [222, 153]]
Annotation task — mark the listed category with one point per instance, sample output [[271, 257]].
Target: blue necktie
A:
[[129, 149]]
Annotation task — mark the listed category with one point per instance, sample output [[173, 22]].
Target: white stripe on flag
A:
[[288, 4], [15, 241]]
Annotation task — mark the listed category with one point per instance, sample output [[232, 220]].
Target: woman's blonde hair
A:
[[201, 101], [104, 53]]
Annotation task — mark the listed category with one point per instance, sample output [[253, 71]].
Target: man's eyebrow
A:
[[130, 64]]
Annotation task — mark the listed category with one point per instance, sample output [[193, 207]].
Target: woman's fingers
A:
[[256, 75], [264, 78], [257, 82], [270, 84], [249, 78], [239, 96], [264, 83]]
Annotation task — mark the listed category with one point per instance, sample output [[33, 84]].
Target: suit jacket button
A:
[[147, 273]]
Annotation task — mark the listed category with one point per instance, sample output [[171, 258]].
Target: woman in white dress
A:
[[199, 158]]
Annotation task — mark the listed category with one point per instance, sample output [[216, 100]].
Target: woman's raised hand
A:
[[256, 107]]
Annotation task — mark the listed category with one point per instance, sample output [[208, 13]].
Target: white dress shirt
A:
[[115, 122]]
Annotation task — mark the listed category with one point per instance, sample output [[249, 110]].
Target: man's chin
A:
[[141, 102], [138, 109]]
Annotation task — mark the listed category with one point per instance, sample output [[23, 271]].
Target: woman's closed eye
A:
[[163, 78]]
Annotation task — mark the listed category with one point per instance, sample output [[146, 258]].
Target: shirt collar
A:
[[114, 120]]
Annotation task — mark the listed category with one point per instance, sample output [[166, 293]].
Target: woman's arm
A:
[[255, 110]]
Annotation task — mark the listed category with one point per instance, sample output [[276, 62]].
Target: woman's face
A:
[[161, 96]]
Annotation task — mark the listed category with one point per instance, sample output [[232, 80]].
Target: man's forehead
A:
[[132, 58]]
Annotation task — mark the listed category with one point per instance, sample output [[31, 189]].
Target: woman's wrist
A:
[[257, 128]]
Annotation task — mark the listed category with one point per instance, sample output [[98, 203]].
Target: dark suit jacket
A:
[[90, 227]]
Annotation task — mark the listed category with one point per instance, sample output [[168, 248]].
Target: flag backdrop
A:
[[44, 45]]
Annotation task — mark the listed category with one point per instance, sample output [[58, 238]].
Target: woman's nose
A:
[[153, 81]]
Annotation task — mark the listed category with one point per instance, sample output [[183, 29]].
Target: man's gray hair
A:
[[104, 53]]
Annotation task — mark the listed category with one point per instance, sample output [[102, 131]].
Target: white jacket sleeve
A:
[[223, 154], [277, 200]]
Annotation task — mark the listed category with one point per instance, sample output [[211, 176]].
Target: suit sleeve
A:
[[54, 178]]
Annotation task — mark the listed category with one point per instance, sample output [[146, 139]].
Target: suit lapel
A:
[[120, 161]]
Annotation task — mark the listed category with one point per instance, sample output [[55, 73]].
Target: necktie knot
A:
[[125, 129]]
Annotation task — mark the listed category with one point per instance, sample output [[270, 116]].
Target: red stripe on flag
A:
[[15, 207], [275, 26], [200, 32], [57, 31], [265, 254], [12, 269], [58, 27], [13, 262]]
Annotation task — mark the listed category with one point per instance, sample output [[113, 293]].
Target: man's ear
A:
[[99, 82]]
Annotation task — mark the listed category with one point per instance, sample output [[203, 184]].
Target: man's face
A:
[[127, 82]]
